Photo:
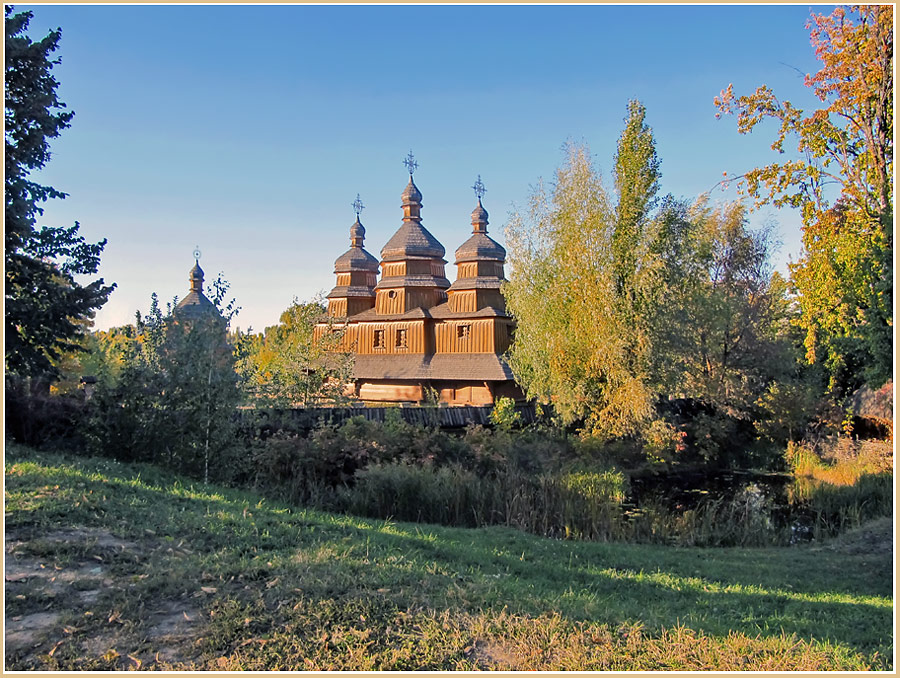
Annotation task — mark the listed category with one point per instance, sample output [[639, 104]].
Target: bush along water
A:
[[547, 483], [839, 485]]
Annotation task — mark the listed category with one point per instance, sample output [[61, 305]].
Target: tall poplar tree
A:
[[572, 343], [46, 307], [637, 176], [619, 304]]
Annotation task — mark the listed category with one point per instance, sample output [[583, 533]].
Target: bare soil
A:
[[55, 603]]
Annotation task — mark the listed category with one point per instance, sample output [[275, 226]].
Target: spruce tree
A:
[[46, 309]]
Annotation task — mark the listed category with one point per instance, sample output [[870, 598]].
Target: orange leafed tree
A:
[[841, 178]]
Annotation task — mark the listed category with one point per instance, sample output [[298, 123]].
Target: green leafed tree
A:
[[46, 307], [173, 392], [637, 174], [288, 365], [841, 178], [580, 286], [620, 305], [572, 344], [721, 323]]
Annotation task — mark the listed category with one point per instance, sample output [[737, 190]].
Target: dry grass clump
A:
[[507, 642], [841, 461]]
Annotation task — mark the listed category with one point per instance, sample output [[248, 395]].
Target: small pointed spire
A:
[[479, 214], [196, 275], [357, 230]]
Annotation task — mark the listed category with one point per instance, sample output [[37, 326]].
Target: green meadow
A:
[[113, 566]]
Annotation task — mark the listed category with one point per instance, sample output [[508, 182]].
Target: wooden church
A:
[[412, 332]]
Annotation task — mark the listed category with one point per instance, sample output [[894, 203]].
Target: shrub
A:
[[504, 415], [40, 419]]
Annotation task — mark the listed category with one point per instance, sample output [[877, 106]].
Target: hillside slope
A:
[[114, 566]]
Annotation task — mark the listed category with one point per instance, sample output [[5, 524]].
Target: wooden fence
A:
[[301, 420]]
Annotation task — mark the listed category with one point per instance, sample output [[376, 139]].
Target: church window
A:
[[463, 331], [401, 339], [379, 339]]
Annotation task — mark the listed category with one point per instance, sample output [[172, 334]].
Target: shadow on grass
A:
[[264, 561]]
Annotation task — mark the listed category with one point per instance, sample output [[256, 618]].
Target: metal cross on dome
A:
[[358, 206], [410, 163], [197, 254], [479, 188]]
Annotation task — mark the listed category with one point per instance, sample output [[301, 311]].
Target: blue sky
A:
[[249, 130]]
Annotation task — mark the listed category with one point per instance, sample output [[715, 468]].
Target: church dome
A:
[[412, 240], [355, 259], [195, 304], [480, 215], [411, 193], [480, 247], [357, 231]]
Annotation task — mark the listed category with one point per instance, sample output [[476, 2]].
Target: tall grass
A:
[[580, 504], [545, 484], [841, 484]]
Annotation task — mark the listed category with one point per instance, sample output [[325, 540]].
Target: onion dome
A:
[[412, 261], [195, 304], [479, 262], [196, 278], [356, 272], [357, 233], [356, 258], [480, 247], [411, 194], [412, 239]]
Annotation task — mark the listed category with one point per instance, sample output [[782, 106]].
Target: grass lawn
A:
[[115, 566]]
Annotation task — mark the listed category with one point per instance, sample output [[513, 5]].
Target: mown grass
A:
[[265, 586]]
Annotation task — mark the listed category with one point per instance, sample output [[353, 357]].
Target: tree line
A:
[[641, 317]]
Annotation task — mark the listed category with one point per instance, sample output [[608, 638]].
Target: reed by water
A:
[[517, 480]]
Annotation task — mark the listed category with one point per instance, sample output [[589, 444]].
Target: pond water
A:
[[690, 490], [687, 489]]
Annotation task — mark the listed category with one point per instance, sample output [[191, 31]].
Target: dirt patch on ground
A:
[[489, 654], [24, 632], [83, 535], [60, 603], [873, 538]]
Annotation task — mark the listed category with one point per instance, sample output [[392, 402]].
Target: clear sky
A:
[[249, 130]]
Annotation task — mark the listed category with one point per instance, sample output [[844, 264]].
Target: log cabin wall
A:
[[469, 301], [474, 269], [489, 297], [392, 337], [337, 308], [503, 334], [464, 301], [391, 392], [465, 336], [399, 300], [465, 395], [390, 302], [342, 307], [349, 339], [356, 305], [356, 278]]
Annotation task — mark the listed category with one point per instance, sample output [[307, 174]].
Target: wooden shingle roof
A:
[[441, 366]]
